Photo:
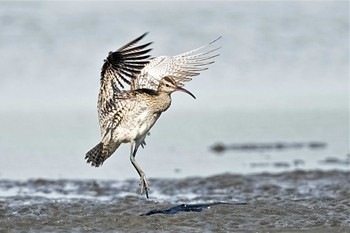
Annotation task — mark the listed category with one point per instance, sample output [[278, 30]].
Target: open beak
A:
[[184, 90]]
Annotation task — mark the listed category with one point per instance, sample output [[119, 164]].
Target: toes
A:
[[144, 186]]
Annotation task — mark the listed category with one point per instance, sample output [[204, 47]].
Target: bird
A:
[[135, 89]]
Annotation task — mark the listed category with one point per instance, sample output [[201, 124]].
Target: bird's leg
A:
[[143, 181]]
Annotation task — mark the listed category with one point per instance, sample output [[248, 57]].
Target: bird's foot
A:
[[144, 185]]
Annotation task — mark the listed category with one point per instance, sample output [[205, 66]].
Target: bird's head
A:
[[168, 85]]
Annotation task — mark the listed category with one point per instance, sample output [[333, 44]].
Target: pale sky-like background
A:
[[282, 75]]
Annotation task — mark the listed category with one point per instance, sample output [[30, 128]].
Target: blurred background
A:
[[282, 76]]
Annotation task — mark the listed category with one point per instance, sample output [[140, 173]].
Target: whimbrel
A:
[[126, 116]]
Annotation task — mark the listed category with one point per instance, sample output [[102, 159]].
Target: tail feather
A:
[[95, 155]]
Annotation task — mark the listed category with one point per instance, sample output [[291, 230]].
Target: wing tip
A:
[[215, 40], [143, 35], [134, 41]]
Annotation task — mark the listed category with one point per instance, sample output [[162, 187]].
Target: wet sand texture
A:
[[315, 201]]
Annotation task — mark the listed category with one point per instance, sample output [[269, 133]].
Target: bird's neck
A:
[[161, 101]]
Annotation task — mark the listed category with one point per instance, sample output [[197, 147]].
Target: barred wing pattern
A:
[[180, 67], [123, 102], [119, 68]]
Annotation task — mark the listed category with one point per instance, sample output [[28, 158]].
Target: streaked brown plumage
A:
[[126, 116]]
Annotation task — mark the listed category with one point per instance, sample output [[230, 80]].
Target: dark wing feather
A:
[[120, 68], [124, 64]]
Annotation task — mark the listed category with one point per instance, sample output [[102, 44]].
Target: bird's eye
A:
[[167, 85]]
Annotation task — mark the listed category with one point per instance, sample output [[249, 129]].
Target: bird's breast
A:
[[145, 122], [136, 125], [139, 116]]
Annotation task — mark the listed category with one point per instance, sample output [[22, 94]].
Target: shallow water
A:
[[315, 201]]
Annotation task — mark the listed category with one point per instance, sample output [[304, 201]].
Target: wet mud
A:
[[298, 201]]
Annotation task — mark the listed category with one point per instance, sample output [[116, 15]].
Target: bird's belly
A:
[[136, 128]]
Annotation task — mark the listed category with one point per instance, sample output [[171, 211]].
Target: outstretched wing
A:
[[181, 67], [122, 103], [124, 64], [119, 68]]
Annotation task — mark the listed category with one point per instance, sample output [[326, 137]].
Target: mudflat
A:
[[298, 201]]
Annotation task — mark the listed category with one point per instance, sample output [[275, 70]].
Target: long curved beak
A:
[[184, 90]]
